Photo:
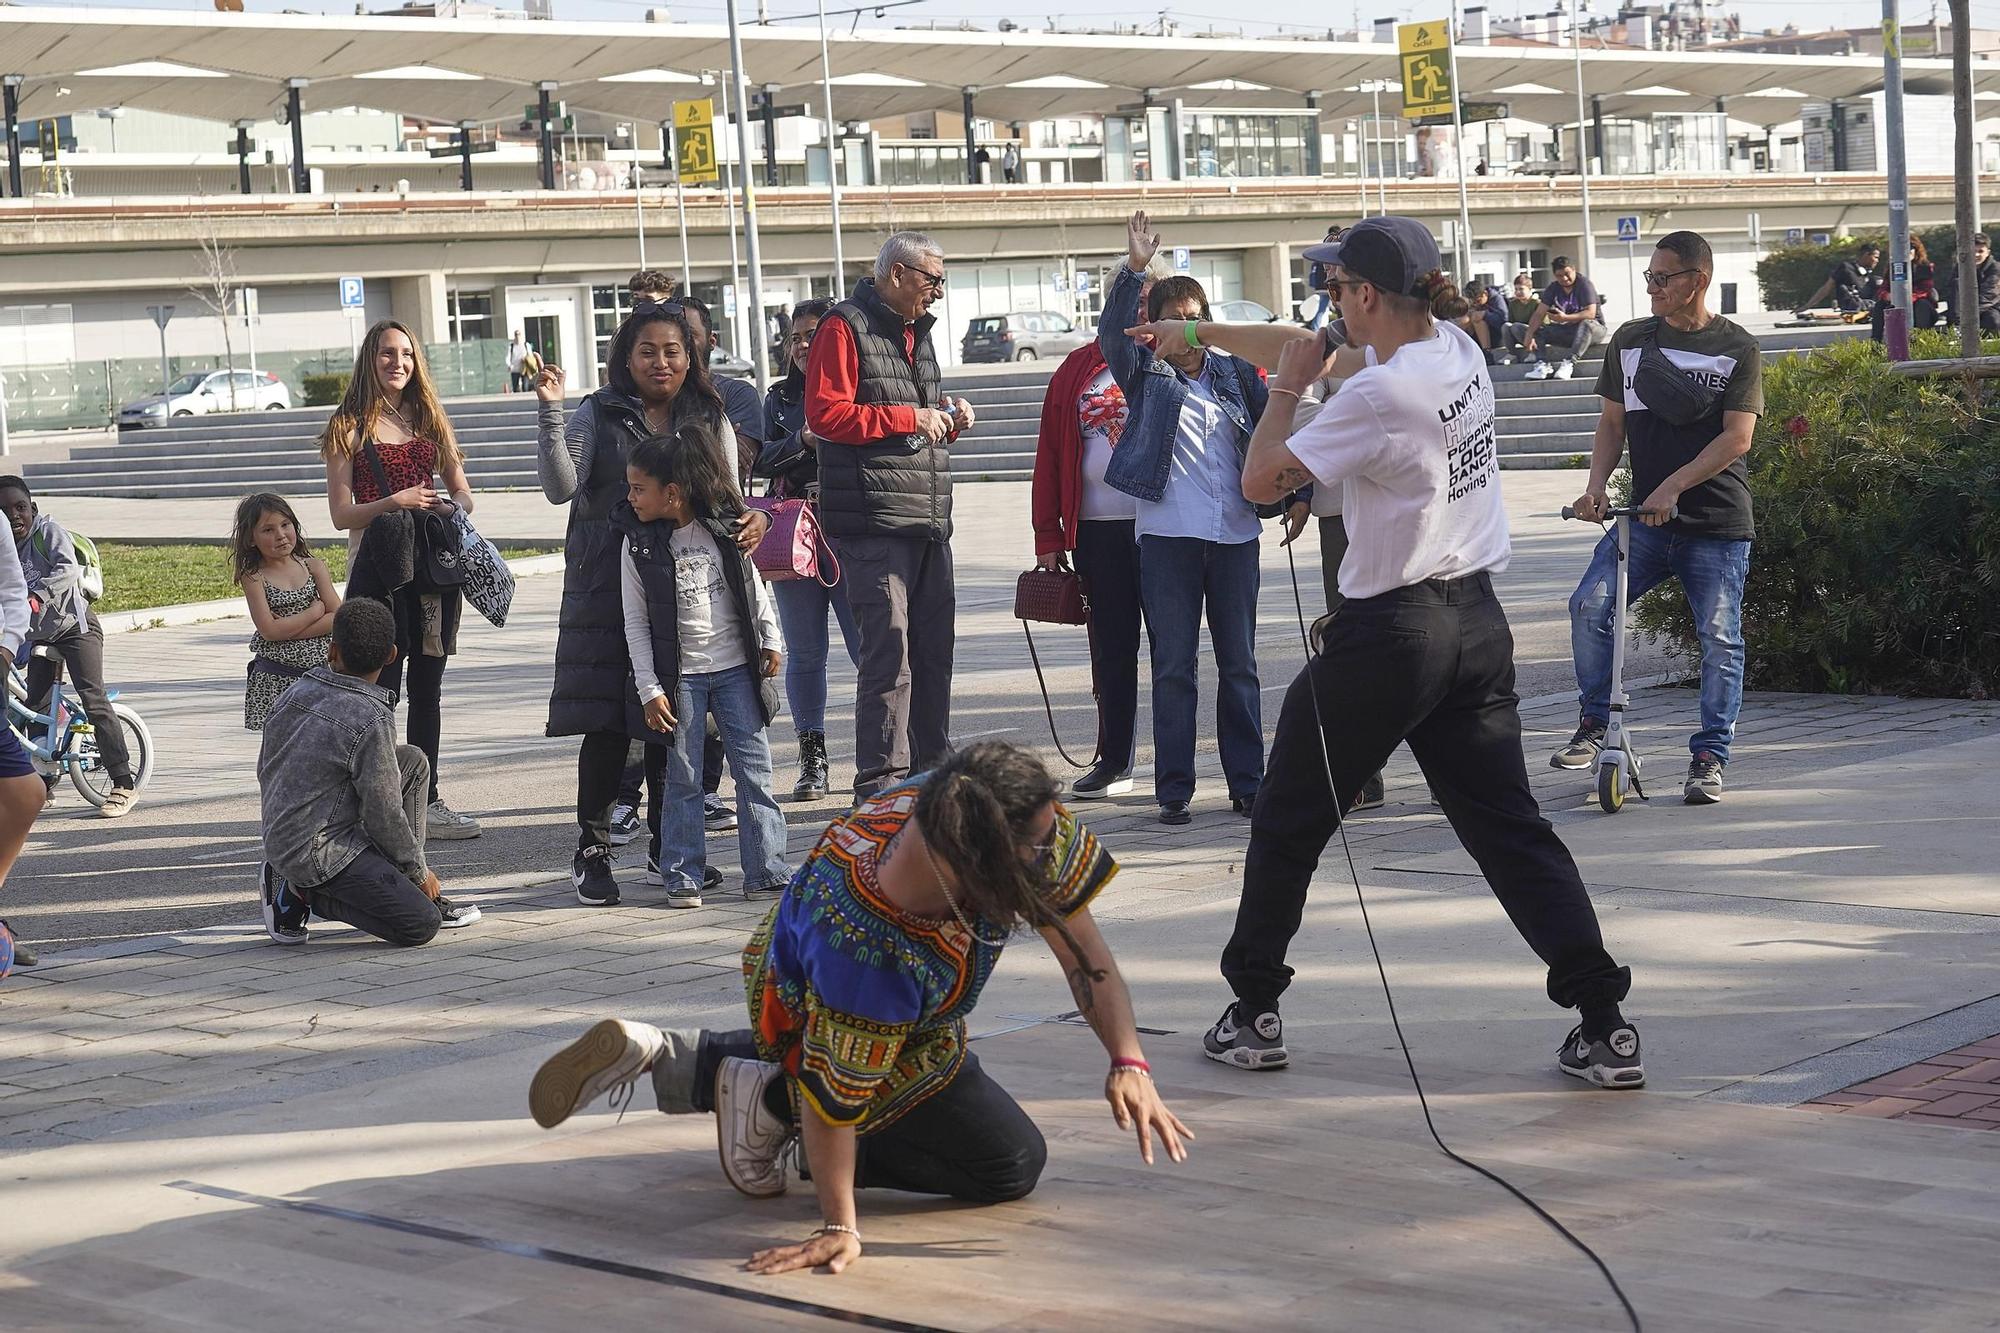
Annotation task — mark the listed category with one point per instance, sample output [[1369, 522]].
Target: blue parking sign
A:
[[1628, 228], [1183, 261], [351, 294]]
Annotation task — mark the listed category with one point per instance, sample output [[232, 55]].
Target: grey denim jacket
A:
[[330, 782]]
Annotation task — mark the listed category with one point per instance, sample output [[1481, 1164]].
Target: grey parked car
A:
[[1021, 336]]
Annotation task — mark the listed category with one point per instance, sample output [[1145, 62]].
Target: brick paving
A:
[[1960, 1088]]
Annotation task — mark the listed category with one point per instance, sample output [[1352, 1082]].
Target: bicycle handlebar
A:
[[1626, 511]]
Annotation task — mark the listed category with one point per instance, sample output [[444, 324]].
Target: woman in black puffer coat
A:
[[655, 388]]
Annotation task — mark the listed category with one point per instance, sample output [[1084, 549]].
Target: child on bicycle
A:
[[66, 623], [343, 804], [702, 633], [22, 791], [291, 597]]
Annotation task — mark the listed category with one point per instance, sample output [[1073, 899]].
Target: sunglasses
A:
[[935, 280], [646, 305]]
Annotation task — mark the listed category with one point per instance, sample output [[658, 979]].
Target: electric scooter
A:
[[1617, 761]]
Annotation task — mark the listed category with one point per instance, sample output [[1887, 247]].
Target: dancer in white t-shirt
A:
[[1420, 651]]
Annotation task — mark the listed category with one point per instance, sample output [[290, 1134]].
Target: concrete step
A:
[[1544, 443], [1583, 423], [1536, 462]]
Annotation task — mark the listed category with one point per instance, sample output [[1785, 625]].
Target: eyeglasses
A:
[[935, 280], [1653, 279]]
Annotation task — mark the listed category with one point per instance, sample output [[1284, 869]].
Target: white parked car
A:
[[201, 392]]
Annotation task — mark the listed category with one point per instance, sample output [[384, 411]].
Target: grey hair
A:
[[901, 248], [1157, 268]]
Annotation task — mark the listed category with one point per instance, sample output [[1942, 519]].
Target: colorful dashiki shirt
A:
[[863, 1004]]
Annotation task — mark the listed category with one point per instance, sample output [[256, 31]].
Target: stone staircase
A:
[[1545, 423]]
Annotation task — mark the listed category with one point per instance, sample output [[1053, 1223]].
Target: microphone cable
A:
[[1388, 996]]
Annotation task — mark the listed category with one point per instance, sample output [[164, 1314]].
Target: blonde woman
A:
[[391, 412]]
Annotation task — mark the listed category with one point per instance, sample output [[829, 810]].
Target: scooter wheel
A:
[[1611, 788]]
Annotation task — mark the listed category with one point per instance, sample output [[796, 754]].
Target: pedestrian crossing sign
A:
[[694, 141], [1424, 50]]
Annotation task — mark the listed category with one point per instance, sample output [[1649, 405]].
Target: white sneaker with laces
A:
[[1565, 370], [612, 1055], [444, 824], [453, 916], [750, 1140], [1539, 371]]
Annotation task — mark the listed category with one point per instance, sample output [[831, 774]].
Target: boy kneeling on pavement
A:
[[344, 805]]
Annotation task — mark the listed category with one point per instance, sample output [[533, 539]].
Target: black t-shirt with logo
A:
[[1720, 355]]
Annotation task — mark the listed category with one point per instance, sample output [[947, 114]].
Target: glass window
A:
[[1057, 324], [471, 316]]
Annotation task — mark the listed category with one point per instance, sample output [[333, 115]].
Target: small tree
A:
[[216, 290]]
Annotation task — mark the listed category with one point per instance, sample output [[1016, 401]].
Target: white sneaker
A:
[[611, 1055], [1539, 371], [1565, 370], [750, 1140], [444, 824]]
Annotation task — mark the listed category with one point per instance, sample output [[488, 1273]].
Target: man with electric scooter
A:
[[1682, 390]]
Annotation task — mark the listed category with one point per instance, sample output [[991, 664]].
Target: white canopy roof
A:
[[77, 60]]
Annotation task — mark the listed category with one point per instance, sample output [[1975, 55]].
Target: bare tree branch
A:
[[216, 290]]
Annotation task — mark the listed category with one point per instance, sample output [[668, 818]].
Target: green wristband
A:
[[1188, 329]]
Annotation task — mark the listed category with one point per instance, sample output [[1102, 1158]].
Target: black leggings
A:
[[968, 1141], [425, 724]]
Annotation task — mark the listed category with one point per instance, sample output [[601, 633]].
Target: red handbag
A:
[[794, 548], [1054, 597]]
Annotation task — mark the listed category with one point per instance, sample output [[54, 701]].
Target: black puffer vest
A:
[[900, 486], [653, 556], [591, 690]]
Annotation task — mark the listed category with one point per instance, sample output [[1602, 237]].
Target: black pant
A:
[[1107, 556], [82, 656], [425, 723], [600, 774], [371, 894], [1432, 664], [968, 1141]]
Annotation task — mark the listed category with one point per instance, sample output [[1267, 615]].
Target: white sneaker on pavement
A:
[[444, 824], [750, 1140]]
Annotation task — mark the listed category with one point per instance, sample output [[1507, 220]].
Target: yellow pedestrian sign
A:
[[1424, 50], [694, 141]]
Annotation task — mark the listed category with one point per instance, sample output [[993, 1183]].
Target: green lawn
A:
[[137, 577]]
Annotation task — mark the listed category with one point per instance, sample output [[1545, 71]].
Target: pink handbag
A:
[[794, 548]]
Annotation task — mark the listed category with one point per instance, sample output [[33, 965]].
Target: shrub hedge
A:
[[325, 390], [1877, 563]]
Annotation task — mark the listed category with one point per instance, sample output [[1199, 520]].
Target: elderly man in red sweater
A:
[[885, 498]]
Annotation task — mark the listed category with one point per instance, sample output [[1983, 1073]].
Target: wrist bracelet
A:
[[825, 1227], [1188, 330], [1138, 1065], [1275, 388]]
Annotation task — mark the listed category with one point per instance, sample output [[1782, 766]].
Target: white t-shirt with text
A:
[[1411, 443]]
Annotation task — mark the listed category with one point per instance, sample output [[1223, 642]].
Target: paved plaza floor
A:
[[199, 1130]]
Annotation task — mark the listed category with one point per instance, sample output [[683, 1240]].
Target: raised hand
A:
[[549, 384], [1141, 241]]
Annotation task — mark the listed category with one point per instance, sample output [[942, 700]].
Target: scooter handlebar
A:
[[1627, 511]]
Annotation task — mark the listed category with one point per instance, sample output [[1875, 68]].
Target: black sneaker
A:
[[1609, 1062], [284, 914], [1242, 805], [1704, 780], [625, 824], [1100, 782], [1175, 812], [716, 817], [1372, 796], [453, 916], [1581, 752], [590, 872], [1261, 1045]]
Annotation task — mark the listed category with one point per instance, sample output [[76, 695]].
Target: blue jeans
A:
[[731, 695], [1711, 571], [1176, 574], [802, 608]]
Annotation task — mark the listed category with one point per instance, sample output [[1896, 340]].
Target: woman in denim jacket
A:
[[1181, 456]]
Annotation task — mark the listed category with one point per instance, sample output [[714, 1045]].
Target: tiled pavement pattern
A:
[[1958, 1087], [139, 1033]]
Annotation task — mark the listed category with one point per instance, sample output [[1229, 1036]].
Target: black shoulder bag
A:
[[1667, 389], [438, 562]]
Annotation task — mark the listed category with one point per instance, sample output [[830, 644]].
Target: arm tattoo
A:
[[1293, 477]]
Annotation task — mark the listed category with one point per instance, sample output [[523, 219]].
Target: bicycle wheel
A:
[[86, 770]]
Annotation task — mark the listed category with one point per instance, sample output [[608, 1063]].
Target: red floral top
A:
[[411, 463]]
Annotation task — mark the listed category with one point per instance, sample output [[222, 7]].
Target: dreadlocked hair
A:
[[975, 812]]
